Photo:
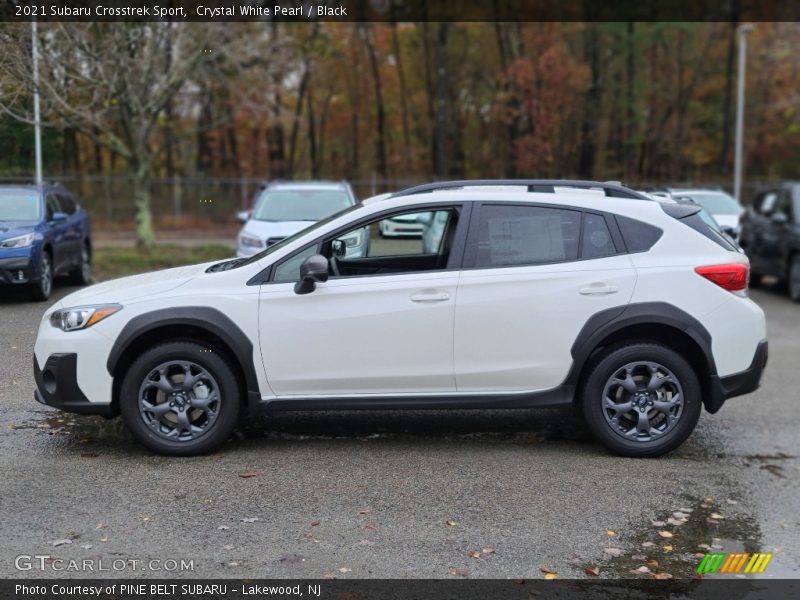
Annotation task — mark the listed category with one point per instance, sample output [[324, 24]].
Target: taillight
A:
[[732, 277]]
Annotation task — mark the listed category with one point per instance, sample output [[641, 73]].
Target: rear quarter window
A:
[[638, 236]]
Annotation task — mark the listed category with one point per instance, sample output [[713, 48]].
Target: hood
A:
[[130, 289], [727, 220], [10, 229], [268, 229]]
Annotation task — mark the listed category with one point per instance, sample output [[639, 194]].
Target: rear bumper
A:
[[57, 386], [738, 384]]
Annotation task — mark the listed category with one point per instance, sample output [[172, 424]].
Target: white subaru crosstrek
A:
[[542, 295]]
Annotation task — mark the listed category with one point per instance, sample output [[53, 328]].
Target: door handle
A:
[[598, 289], [430, 296]]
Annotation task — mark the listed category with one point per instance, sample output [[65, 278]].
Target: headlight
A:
[[22, 241], [252, 242], [81, 317], [352, 240]]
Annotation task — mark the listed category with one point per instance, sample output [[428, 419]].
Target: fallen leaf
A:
[[651, 563], [638, 557], [145, 519], [716, 516], [699, 554], [248, 474], [228, 547], [610, 532], [328, 575], [675, 522], [314, 523], [647, 544], [364, 511], [729, 501], [680, 514], [686, 510], [223, 527], [546, 569], [292, 558], [704, 546], [371, 526], [104, 539], [101, 525], [667, 548], [60, 542], [345, 570], [593, 571], [451, 523], [717, 546], [708, 499], [711, 521], [459, 572], [488, 550], [665, 534], [657, 523], [232, 563], [641, 570], [704, 505], [474, 554], [551, 575], [249, 519], [613, 551], [662, 575]]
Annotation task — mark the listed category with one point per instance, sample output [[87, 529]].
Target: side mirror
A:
[[243, 216], [779, 218], [339, 248], [313, 270], [58, 217]]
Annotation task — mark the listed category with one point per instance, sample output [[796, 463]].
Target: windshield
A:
[[717, 203], [300, 204], [19, 206]]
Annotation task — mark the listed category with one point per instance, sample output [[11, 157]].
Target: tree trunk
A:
[[727, 102], [298, 109], [441, 114], [403, 99], [588, 152], [140, 186], [380, 140]]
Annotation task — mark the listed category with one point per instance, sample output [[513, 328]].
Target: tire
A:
[[793, 279], [82, 274], [660, 387], [41, 289], [163, 368]]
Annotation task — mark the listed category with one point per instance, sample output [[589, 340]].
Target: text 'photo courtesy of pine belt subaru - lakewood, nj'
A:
[[538, 294]]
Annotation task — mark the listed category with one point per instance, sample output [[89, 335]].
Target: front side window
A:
[[52, 206], [526, 235], [301, 204]]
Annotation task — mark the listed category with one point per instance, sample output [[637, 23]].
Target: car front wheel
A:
[[794, 278], [180, 399], [82, 275], [641, 399], [43, 286]]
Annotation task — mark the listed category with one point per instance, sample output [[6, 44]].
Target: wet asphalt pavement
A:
[[392, 494]]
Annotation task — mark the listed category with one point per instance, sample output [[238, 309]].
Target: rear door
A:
[[533, 275], [73, 233]]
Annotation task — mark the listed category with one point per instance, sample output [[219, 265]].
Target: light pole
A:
[[743, 30], [37, 121]]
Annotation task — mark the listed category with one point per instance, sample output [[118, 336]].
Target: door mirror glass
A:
[[58, 217], [313, 270], [338, 248]]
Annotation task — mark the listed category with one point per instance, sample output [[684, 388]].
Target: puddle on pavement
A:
[[769, 462], [79, 429], [710, 526]]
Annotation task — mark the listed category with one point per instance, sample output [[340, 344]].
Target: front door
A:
[[382, 323]]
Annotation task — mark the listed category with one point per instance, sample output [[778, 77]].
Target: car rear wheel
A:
[[82, 275], [43, 286], [641, 399], [180, 399], [794, 278]]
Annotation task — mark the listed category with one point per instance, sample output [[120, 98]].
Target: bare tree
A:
[[112, 82]]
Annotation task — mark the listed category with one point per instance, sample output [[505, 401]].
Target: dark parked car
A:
[[44, 233], [771, 236]]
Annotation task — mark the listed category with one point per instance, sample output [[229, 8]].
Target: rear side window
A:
[[596, 241], [638, 236], [52, 206], [699, 224], [526, 235]]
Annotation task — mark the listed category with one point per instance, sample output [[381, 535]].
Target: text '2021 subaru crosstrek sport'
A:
[[538, 294]]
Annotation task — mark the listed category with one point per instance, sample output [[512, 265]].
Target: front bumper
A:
[[16, 269], [738, 384], [57, 386]]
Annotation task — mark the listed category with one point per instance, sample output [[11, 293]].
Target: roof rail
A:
[[612, 189]]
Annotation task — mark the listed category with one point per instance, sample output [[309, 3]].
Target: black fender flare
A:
[[202, 317]]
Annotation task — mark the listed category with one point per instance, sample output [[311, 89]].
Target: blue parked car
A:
[[44, 233]]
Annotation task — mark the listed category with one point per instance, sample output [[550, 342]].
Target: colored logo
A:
[[722, 562]]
